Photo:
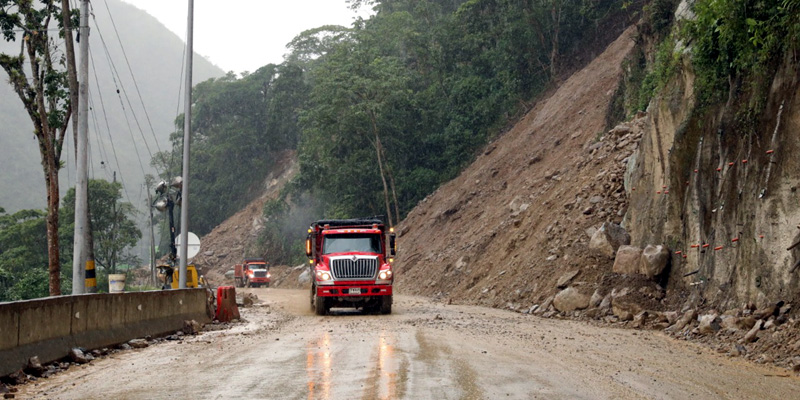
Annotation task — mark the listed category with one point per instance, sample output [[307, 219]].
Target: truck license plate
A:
[[355, 290]]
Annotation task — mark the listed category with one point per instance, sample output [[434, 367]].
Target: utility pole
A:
[[82, 185], [152, 239], [187, 130]]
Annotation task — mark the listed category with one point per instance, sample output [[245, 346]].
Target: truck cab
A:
[[351, 264], [253, 272]]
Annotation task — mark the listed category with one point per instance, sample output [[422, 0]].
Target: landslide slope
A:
[[520, 217], [235, 238]]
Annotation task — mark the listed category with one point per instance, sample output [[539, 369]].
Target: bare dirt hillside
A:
[[511, 224], [234, 239], [514, 230]]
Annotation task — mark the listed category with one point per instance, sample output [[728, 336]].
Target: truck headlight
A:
[[323, 276], [385, 274]]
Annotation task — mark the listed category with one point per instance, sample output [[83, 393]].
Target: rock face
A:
[[653, 261], [627, 260], [570, 299], [608, 238]]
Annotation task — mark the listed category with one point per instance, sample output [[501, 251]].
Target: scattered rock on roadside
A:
[[192, 327], [752, 335], [684, 320], [709, 324], [138, 343], [76, 355], [35, 367], [570, 299]]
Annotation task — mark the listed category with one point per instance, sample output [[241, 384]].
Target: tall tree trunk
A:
[[53, 254], [49, 115], [71, 69], [391, 183], [380, 167], [555, 13]]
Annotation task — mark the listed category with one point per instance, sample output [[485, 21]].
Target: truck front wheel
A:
[[386, 305], [320, 305]]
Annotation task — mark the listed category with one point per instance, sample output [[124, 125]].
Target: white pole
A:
[[82, 184], [187, 129]]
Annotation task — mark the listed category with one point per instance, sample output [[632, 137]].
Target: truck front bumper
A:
[[363, 290]]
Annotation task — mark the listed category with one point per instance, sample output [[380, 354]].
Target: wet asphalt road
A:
[[424, 350]]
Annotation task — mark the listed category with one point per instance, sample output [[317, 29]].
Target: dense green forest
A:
[[384, 111], [23, 259]]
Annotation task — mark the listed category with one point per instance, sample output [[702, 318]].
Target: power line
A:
[[115, 75], [108, 127], [135, 84]]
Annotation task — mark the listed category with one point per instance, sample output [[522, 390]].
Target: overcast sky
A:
[[243, 35]]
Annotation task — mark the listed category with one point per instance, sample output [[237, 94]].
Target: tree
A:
[[44, 95], [112, 223], [23, 264]]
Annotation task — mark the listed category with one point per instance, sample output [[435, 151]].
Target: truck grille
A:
[[360, 268], [260, 274]]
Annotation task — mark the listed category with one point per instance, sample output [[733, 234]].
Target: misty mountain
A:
[[124, 128]]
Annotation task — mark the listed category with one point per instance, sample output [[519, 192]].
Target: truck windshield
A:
[[343, 243]]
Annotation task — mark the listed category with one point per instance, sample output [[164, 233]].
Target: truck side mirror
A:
[[393, 245], [308, 246]]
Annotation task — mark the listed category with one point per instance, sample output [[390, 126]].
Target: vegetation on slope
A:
[[384, 111]]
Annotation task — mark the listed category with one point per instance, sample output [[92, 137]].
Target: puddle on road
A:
[[386, 371], [318, 367]]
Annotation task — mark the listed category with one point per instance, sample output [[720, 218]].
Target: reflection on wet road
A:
[[318, 367], [382, 375]]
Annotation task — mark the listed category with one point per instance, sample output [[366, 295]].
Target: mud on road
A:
[[424, 350]]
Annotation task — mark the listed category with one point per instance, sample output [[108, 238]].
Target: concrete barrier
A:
[[49, 328]]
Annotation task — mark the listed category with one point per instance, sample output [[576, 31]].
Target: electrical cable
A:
[[108, 127], [116, 75], [135, 84]]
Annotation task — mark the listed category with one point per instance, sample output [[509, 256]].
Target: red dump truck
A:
[[253, 272], [351, 264]]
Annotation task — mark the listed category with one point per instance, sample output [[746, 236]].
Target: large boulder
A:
[[653, 261], [627, 260], [608, 238], [570, 299], [625, 304]]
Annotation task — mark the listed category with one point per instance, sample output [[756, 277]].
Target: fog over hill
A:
[[122, 136]]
